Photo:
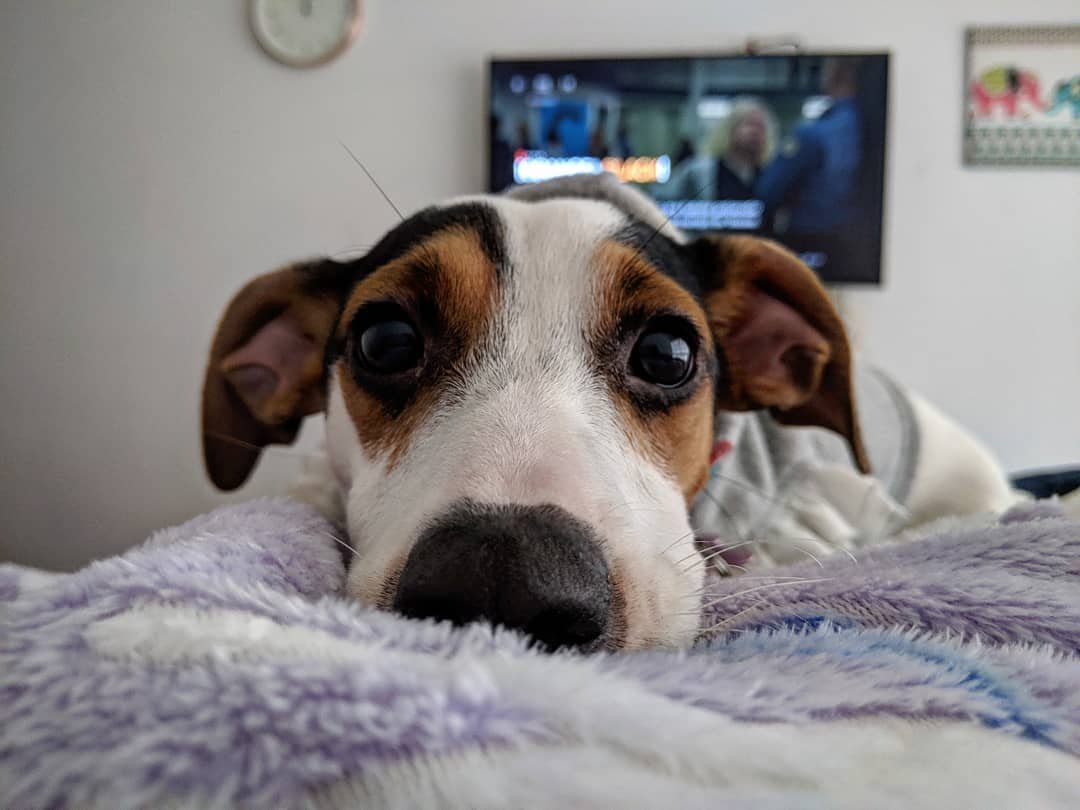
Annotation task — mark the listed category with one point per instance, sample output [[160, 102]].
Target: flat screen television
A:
[[787, 146]]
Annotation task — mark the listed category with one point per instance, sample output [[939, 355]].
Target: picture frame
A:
[[1022, 96]]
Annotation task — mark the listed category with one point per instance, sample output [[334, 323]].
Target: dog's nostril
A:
[[558, 628], [447, 609], [535, 569]]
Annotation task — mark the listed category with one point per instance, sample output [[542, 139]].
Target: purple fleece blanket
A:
[[218, 665]]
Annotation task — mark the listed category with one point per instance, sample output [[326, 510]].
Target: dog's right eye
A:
[[663, 356], [389, 346]]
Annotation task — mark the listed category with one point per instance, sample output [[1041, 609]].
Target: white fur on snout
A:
[[527, 443], [533, 422]]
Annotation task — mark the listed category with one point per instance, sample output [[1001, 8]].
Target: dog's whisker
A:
[[717, 552], [774, 580], [690, 556], [732, 523], [756, 588], [794, 543], [851, 556], [674, 214], [680, 539], [338, 540], [374, 182], [777, 579], [732, 546], [704, 560], [729, 620]]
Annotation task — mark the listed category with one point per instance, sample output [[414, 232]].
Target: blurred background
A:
[[153, 159]]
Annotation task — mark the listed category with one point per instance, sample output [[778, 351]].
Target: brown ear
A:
[[265, 372], [783, 341]]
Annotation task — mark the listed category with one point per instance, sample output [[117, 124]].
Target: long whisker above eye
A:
[[374, 182], [674, 214]]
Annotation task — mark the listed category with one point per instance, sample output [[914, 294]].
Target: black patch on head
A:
[[476, 217], [677, 262], [327, 278]]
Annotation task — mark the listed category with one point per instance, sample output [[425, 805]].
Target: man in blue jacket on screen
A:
[[809, 188]]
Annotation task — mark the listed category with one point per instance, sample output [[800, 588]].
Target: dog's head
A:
[[519, 401]]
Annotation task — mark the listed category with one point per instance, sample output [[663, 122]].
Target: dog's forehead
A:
[[583, 214], [555, 240], [535, 233]]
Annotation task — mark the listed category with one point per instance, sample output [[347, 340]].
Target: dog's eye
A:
[[663, 357], [390, 346]]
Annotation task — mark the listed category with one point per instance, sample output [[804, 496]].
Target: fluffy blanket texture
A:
[[218, 665]]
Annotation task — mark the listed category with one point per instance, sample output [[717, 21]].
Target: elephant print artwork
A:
[[1022, 100]]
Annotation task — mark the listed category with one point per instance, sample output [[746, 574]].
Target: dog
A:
[[527, 397]]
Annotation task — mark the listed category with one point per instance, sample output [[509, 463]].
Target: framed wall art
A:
[[1022, 96]]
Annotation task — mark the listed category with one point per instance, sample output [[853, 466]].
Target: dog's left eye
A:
[[663, 357], [390, 346]]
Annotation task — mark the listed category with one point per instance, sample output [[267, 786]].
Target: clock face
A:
[[304, 33]]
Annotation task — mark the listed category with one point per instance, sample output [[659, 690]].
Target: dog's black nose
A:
[[531, 568]]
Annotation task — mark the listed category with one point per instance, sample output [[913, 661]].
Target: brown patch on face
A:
[[676, 434], [447, 285]]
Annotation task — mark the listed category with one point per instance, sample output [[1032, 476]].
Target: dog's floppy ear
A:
[[265, 372], [782, 341]]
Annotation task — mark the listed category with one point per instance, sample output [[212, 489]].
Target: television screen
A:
[[786, 146]]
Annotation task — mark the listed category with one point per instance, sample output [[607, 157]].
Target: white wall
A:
[[152, 160]]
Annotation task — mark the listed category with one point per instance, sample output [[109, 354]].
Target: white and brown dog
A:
[[523, 395]]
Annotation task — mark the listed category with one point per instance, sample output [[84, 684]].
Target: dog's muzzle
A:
[[530, 568]]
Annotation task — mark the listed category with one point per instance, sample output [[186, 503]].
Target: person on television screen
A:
[[622, 139], [810, 186], [524, 141], [598, 145], [552, 142], [502, 157], [736, 150]]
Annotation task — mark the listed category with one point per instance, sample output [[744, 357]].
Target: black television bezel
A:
[[881, 232]]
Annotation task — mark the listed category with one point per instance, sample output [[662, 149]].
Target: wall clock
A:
[[305, 33]]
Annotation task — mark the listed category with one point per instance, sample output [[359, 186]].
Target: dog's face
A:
[[519, 401]]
